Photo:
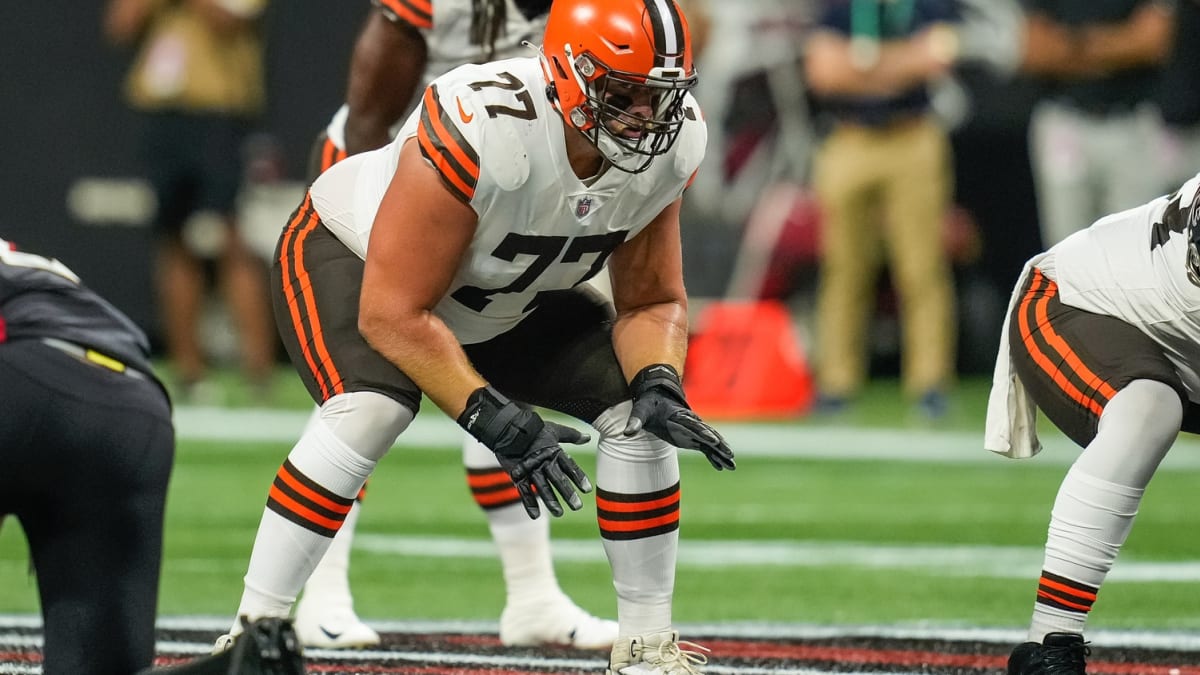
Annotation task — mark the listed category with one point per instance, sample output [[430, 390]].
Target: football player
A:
[[1103, 336], [87, 444], [403, 45], [450, 264]]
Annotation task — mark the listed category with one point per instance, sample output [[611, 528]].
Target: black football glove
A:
[[528, 449], [660, 407]]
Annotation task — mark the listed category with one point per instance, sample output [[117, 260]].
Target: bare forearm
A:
[[424, 349], [385, 70], [649, 335]]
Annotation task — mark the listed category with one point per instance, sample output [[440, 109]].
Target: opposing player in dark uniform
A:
[[87, 444], [450, 264]]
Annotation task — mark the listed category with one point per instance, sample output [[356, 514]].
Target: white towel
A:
[[1011, 427]]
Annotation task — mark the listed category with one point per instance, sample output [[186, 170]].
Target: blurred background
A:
[[73, 186]]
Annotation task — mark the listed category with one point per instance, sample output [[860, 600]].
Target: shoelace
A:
[[681, 657], [1066, 659]]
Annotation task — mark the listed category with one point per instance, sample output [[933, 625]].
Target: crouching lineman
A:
[[1102, 335], [449, 264]]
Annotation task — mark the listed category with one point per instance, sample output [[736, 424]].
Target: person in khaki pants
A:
[[883, 178]]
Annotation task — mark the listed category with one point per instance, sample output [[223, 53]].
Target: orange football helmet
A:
[[618, 71]]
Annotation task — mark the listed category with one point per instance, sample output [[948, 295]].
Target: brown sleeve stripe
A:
[[417, 13], [1072, 376], [331, 154], [443, 144], [297, 290], [637, 516], [306, 503]]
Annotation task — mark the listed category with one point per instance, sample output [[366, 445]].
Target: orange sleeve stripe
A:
[[486, 480], [635, 525], [451, 139], [1062, 601], [603, 504], [313, 496], [303, 511], [1082, 595], [302, 214], [1040, 357], [417, 13], [310, 305], [461, 190], [332, 154]]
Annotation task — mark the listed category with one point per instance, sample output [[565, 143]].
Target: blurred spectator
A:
[[1179, 97], [883, 177], [197, 77], [1095, 134]]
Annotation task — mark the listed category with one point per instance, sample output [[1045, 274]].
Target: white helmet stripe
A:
[[668, 33]]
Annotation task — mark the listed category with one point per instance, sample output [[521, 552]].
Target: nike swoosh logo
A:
[[329, 634], [463, 113]]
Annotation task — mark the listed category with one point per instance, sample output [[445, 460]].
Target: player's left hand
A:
[[659, 406]]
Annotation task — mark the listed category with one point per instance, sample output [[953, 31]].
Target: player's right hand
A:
[[528, 449]]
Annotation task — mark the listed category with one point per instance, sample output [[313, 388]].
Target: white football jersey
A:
[[498, 144], [446, 27], [1132, 265]]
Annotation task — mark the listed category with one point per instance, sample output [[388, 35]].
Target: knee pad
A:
[[366, 421], [640, 447]]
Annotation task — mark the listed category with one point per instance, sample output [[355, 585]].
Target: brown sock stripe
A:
[[637, 516], [1063, 593]]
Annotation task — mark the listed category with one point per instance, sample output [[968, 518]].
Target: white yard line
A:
[[996, 562], [748, 440]]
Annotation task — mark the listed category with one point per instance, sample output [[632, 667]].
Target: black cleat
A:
[[1058, 654], [265, 647]]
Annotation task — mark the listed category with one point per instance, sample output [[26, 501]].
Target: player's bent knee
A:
[[640, 447], [366, 421]]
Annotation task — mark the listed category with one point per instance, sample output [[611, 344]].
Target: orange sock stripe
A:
[[340, 507], [635, 525], [1076, 593], [486, 478], [303, 512], [1063, 602], [605, 504], [491, 500], [1039, 294]]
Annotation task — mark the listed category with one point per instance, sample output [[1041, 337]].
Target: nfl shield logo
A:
[[583, 206]]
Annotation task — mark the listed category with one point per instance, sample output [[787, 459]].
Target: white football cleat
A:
[[560, 622], [656, 654], [332, 628]]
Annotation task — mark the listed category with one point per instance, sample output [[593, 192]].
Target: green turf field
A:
[[784, 538]]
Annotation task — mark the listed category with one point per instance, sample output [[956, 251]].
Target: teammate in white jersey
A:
[[1103, 335], [401, 48], [450, 263]]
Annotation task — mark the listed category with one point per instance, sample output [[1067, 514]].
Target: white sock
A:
[[329, 584], [1098, 500], [523, 544], [296, 531], [637, 504]]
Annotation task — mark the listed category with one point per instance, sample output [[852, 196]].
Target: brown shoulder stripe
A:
[[417, 13], [443, 144]]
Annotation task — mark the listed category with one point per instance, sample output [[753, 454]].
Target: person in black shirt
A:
[[87, 445]]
